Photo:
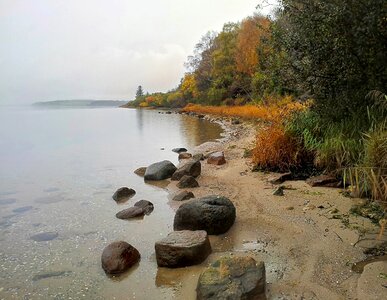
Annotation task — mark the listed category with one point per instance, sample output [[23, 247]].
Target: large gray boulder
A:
[[233, 278], [119, 257], [160, 170], [191, 168], [214, 214], [182, 248]]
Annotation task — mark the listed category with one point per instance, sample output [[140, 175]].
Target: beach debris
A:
[[324, 181], [280, 178]]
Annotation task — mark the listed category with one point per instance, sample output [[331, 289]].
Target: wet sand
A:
[[308, 254]]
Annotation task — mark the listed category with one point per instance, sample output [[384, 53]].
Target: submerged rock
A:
[[160, 170], [233, 278], [22, 209], [182, 248], [123, 193], [216, 158], [191, 168], [44, 236], [187, 182], [185, 195], [214, 214], [119, 257], [50, 275], [140, 171], [132, 212]]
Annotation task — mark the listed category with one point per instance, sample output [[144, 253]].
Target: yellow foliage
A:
[[275, 112], [188, 85], [144, 104]]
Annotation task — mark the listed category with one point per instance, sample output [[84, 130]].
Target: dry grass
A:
[[275, 112], [275, 150]]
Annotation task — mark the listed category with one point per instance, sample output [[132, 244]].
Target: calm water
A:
[[58, 171]]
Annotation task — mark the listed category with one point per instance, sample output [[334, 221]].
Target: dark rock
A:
[[22, 209], [140, 171], [184, 155], [323, 180], [201, 116], [7, 201], [280, 178], [123, 193], [191, 168], [279, 191], [214, 214], [182, 248], [187, 182], [160, 170], [131, 212], [235, 121], [179, 150], [168, 112], [233, 278], [216, 158], [185, 195], [198, 156], [146, 205], [50, 275], [119, 257], [44, 236]]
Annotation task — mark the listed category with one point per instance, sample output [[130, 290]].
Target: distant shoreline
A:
[[80, 103]]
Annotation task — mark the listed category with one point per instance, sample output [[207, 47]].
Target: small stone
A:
[[140, 171], [185, 195], [184, 155], [187, 182], [131, 212], [216, 158], [198, 156], [179, 150], [290, 208], [123, 193], [146, 205], [279, 191], [309, 207]]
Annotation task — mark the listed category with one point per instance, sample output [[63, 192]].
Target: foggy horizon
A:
[[102, 50]]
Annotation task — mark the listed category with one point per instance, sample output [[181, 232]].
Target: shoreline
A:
[[307, 251]]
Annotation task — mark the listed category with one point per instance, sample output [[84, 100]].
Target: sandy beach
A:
[[307, 238]]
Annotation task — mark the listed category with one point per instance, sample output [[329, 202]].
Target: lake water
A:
[[58, 171]]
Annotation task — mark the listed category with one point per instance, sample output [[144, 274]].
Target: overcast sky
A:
[[102, 49]]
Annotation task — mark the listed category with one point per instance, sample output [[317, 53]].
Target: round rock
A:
[[140, 171], [119, 257], [214, 214], [184, 155], [216, 158], [182, 248], [192, 168], [179, 150], [160, 170], [187, 182], [146, 205], [123, 193], [185, 195], [131, 212], [233, 278]]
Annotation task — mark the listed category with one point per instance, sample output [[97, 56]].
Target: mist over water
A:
[[59, 169]]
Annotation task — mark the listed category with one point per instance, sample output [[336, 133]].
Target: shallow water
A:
[[59, 169]]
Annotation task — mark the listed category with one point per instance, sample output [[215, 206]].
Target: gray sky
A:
[[102, 49]]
